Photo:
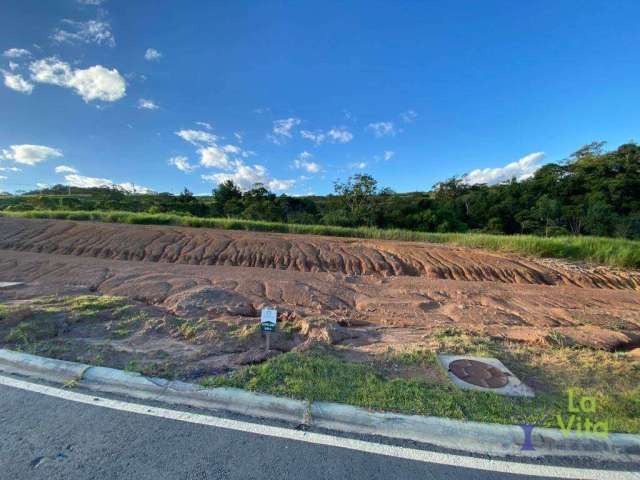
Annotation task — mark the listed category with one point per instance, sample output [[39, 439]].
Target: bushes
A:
[[609, 251]]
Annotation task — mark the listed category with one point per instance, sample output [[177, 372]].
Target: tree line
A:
[[594, 192]]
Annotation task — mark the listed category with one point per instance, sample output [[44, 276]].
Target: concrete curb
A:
[[44, 368], [485, 438], [238, 401], [475, 437]]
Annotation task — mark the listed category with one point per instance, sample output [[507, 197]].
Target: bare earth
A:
[[361, 295]]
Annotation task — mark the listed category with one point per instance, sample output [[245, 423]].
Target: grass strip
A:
[[322, 376], [615, 252]]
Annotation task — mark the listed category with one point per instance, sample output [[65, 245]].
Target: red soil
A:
[[398, 290]]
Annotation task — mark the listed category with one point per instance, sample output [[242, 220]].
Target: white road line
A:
[[327, 440]]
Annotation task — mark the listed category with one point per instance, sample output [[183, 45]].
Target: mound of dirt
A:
[[291, 252], [345, 290], [394, 310], [210, 301]]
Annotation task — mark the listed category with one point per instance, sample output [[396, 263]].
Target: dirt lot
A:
[[187, 301]]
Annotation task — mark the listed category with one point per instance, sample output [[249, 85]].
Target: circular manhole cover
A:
[[479, 373]]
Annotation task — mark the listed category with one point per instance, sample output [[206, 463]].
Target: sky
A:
[[160, 96]]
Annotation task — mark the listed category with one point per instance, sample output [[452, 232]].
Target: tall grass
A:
[[615, 252]]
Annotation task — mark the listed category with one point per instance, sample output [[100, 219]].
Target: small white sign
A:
[[269, 315]]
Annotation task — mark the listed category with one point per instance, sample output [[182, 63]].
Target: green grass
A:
[[29, 332], [189, 328], [85, 305], [130, 324], [615, 252], [92, 304], [38, 326], [321, 376], [43, 319], [317, 376]]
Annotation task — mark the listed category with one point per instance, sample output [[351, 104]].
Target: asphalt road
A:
[[52, 438]]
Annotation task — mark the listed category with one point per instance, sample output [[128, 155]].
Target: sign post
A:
[[268, 321]]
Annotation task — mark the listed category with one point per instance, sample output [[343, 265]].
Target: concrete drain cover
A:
[[483, 374], [478, 373]]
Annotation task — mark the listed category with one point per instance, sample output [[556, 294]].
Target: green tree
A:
[[226, 191], [601, 218], [547, 211], [357, 197], [227, 199]]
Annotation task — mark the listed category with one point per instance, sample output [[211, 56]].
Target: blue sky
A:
[[173, 94]]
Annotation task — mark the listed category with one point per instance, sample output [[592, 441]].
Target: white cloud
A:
[[30, 154], [238, 136], [16, 53], [197, 137], [65, 169], [335, 135], [382, 129], [146, 104], [10, 169], [42, 186], [520, 170], [245, 176], [93, 83], [340, 135], [409, 116], [74, 179], [2, 177], [135, 77], [92, 182], [91, 31], [13, 66], [225, 157], [182, 164], [280, 185], [211, 154], [133, 188], [358, 165], [51, 70], [282, 129], [303, 162], [87, 182], [98, 83], [91, 2], [388, 155], [152, 54], [206, 125], [17, 83], [232, 149], [316, 137], [214, 156]]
